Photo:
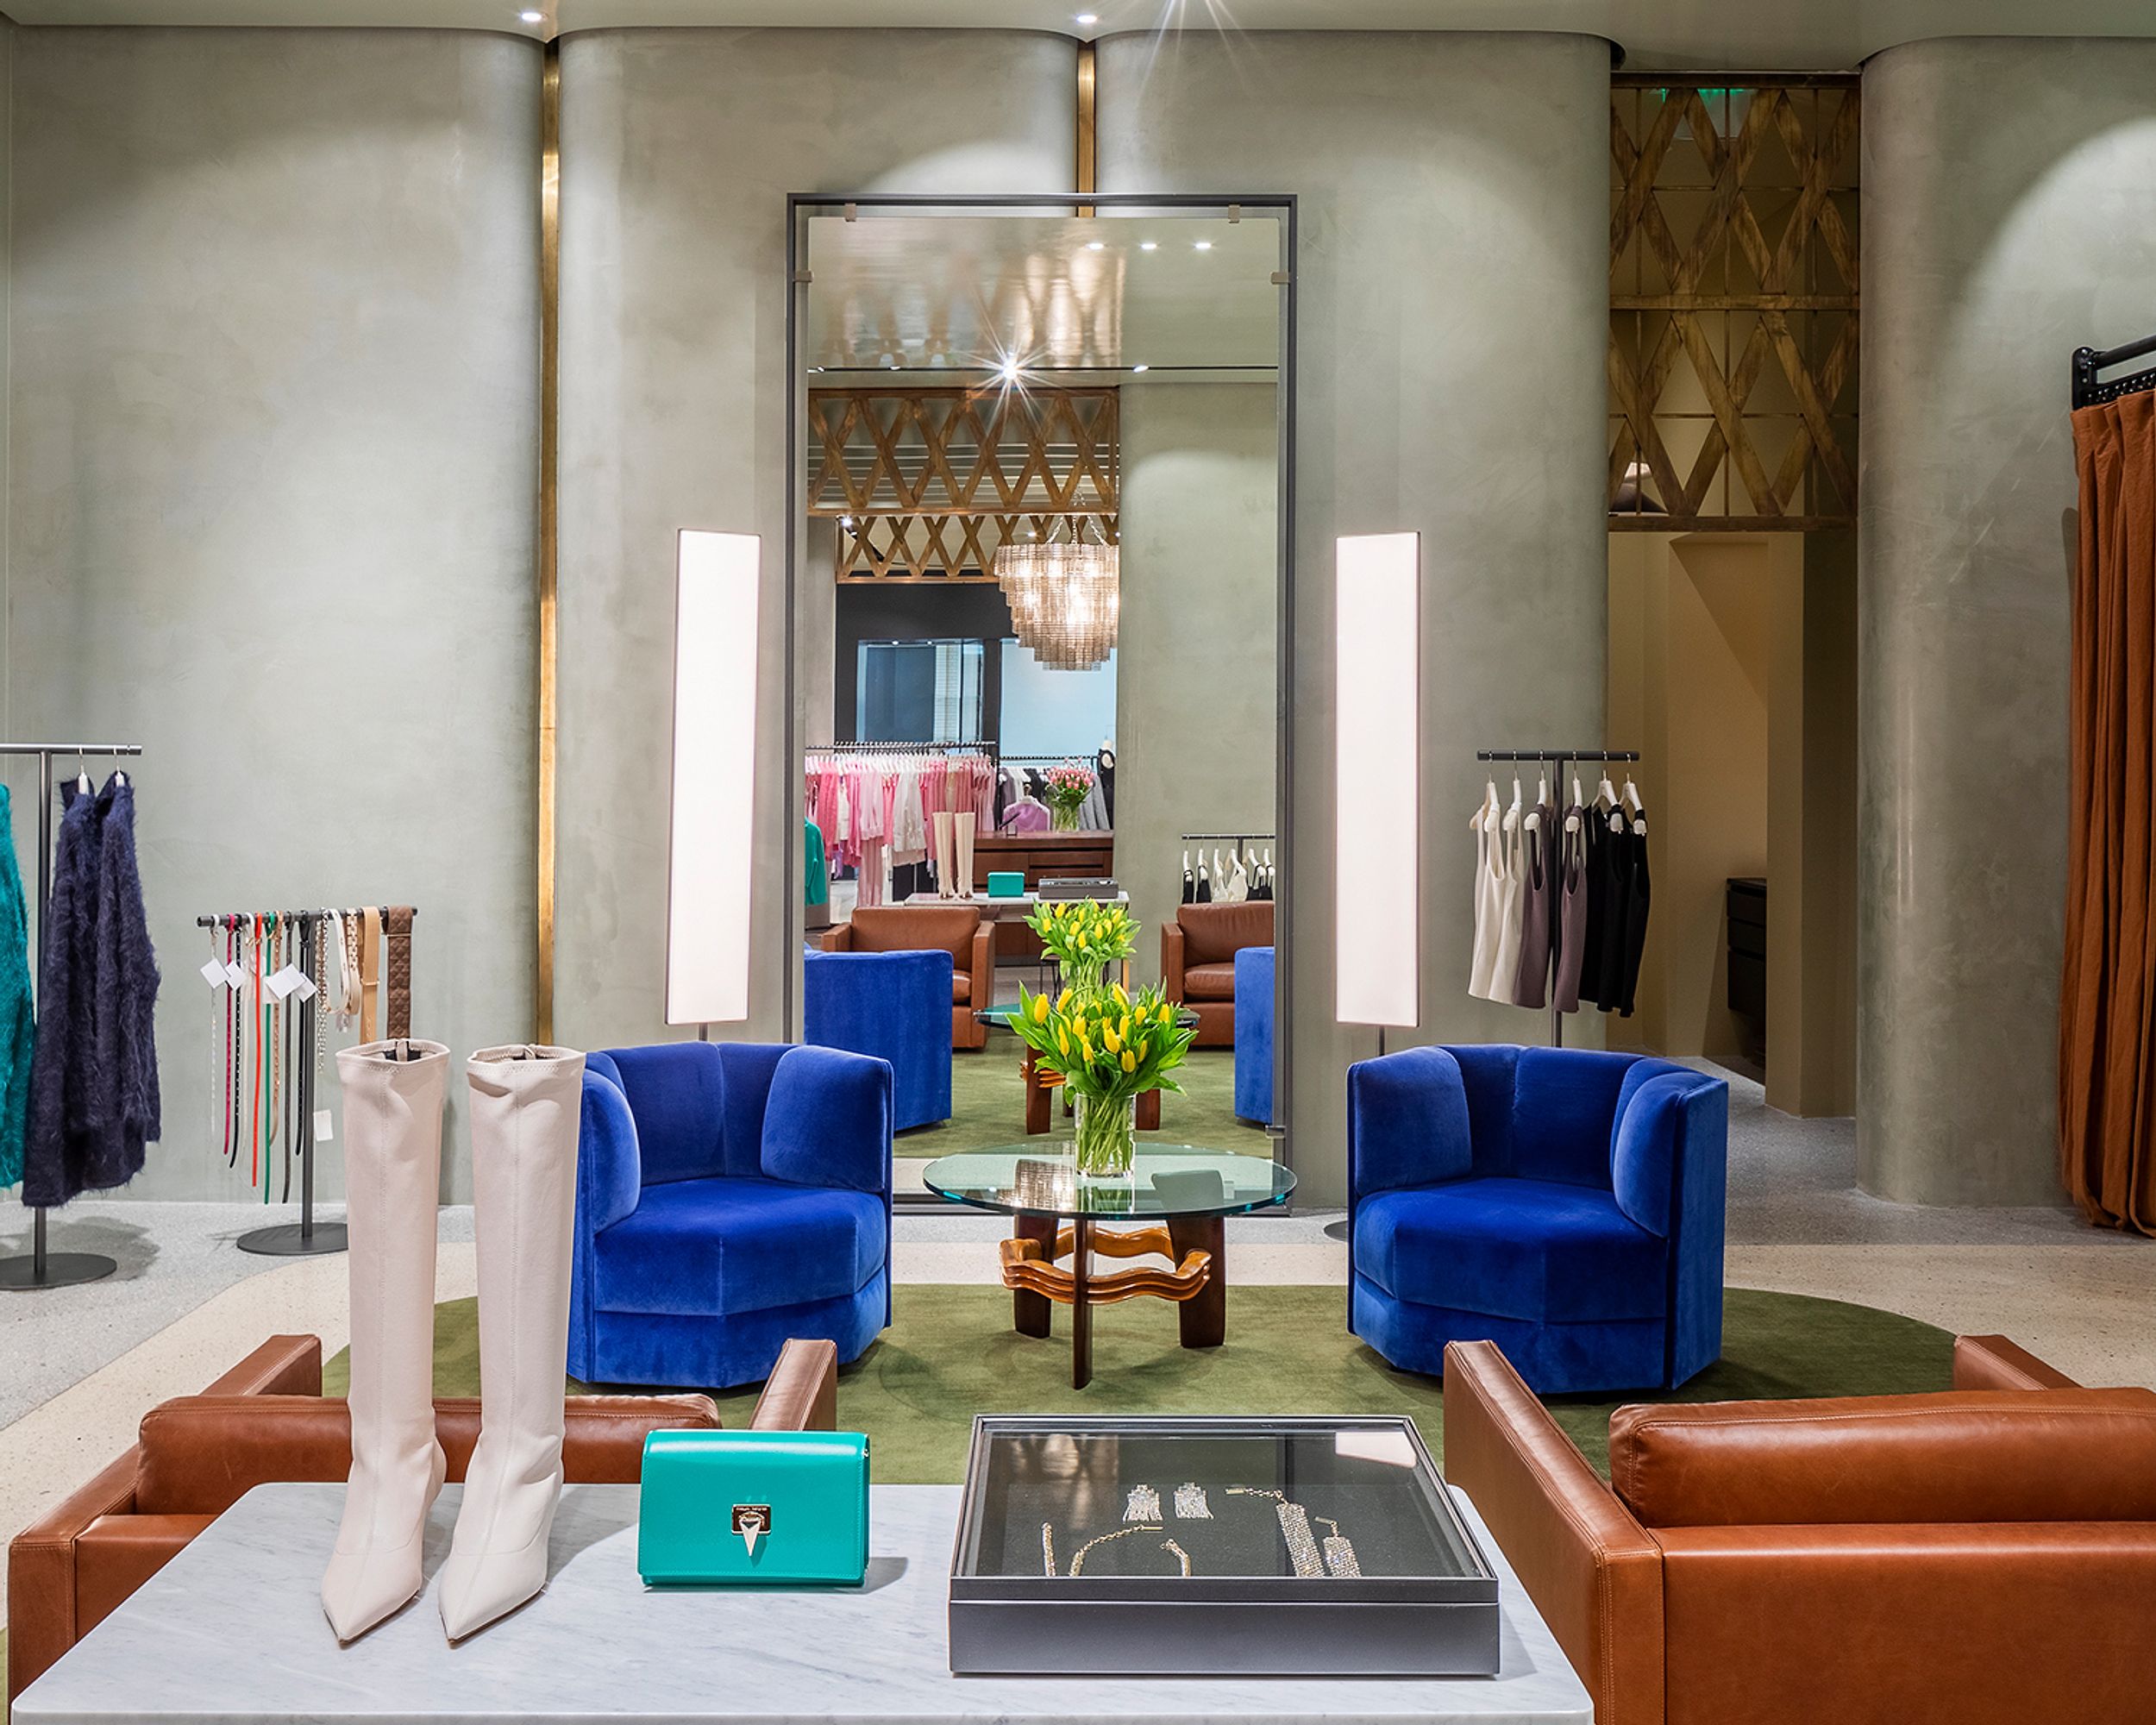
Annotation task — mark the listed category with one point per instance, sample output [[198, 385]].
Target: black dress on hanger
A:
[[1637, 898], [1616, 877], [1205, 883], [1190, 885], [1597, 872]]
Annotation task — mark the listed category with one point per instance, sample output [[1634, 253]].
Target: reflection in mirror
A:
[[1037, 596]]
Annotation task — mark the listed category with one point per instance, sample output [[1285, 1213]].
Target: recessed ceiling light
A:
[[1201, 245], [1149, 244], [1008, 371], [1096, 245], [1141, 368], [533, 17], [1088, 17]]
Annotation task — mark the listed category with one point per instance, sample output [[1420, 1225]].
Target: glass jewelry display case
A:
[[1303, 1547]]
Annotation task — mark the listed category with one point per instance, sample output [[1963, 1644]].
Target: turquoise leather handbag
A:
[[754, 1507]]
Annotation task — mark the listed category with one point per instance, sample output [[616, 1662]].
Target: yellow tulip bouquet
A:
[[1084, 936], [1108, 1046]]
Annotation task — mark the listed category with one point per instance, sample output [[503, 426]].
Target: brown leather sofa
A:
[[1197, 960], [1982, 1556], [266, 1419], [955, 928]]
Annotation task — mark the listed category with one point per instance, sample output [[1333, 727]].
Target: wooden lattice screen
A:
[[1733, 303], [927, 483]]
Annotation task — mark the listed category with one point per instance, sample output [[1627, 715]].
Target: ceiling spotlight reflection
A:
[[1149, 244], [533, 17], [1201, 245], [1088, 17], [1141, 368], [1096, 245]]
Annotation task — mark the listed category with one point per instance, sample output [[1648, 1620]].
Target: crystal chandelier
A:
[[1066, 598]]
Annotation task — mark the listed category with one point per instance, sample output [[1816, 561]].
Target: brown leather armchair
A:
[[266, 1419], [1197, 960], [1984, 1556], [955, 928]]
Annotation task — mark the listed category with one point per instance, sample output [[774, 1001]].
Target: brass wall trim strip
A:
[[1088, 160], [549, 448]]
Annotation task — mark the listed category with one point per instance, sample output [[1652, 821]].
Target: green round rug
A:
[[950, 1353]]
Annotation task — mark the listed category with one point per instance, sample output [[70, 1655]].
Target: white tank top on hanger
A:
[[1489, 883], [1509, 866]]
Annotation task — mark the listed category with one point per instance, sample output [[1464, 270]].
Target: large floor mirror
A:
[[1040, 561]]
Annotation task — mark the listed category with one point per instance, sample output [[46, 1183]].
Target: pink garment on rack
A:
[[827, 810], [869, 874], [1026, 816]]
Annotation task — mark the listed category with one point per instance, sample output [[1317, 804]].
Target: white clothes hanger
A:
[[1632, 795], [1518, 796]]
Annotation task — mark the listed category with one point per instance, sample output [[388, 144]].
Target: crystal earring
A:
[[1190, 1503], [1144, 1504]]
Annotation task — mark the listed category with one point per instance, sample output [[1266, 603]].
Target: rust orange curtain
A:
[[2107, 1019]]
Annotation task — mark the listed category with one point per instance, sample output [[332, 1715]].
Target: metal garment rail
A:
[[44, 1269], [2087, 361], [1557, 760]]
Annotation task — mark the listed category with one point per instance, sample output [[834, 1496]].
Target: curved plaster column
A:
[[2010, 215], [1454, 314]]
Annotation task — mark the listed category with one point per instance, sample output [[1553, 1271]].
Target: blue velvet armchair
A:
[[895, 1006], [729, 1197], [1254, 1034], [1566, 1204]]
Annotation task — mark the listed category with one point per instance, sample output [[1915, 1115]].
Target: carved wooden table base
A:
[[1194, 1276]]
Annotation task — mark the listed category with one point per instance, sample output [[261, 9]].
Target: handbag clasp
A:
[[752, 1521]]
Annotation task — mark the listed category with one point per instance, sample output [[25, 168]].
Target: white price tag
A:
[[325, 1127], [213, 973], [235, 976], [285, 981], [304, 988]]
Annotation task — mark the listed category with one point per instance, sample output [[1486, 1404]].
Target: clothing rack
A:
[[1557, 760], [44, 1269], [305, 1238], [887, 748], [2087, 361]]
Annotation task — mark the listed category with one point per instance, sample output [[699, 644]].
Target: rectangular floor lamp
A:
[[1377, 821], [714, 796]]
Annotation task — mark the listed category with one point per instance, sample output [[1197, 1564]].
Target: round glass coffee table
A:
[[1184, 1194]]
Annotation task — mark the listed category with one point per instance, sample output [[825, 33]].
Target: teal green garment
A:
[[18, 1032], [817, 886]]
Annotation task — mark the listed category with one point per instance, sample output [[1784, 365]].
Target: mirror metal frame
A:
[[1281, 206]]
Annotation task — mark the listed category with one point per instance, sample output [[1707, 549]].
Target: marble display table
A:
[[232, 1630]]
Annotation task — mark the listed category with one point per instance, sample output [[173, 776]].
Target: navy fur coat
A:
[[94, 1101]]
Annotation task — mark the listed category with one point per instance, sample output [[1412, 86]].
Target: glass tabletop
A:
[[1287, 1499], [1041, 1179]]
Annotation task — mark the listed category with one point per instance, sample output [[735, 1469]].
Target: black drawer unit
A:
[[1747, 919]]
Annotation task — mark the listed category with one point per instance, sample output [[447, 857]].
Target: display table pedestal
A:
[[231, 1633]]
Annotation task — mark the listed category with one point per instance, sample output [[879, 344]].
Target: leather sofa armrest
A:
[[41, 1564], [838, 938], [282, 1365], [982, 968], [1171, 960], [1593, 1571], [1994, 1363], [802, 1392]]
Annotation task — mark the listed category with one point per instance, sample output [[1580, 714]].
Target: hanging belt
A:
[[397, 938], [370, 974]]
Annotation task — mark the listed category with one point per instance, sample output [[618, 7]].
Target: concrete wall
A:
[[1454, 312], [678, 148], [1197, 671], [2010, 215], [273, 429]]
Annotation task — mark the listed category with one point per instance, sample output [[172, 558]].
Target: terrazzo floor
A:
[[79, 1366]]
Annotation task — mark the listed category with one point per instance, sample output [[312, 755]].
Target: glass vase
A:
[[1105, 1132], [1084, 977], [1062, 818]]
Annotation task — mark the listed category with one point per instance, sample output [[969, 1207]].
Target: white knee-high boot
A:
[[392, 1171], [527, 1103]]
